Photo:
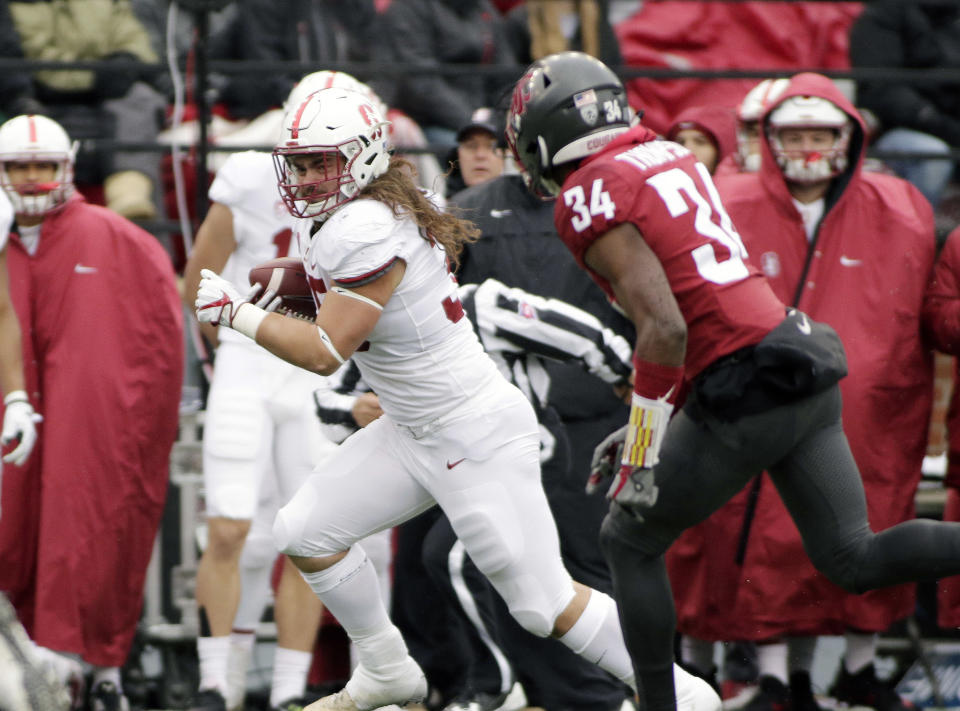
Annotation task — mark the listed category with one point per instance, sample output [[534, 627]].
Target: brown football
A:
[[285, 276]]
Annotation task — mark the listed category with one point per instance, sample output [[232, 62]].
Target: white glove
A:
[[19, 422], [219, 301]]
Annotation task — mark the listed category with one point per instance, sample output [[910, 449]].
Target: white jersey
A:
[[262, 226], [422, 358], [6, 219]]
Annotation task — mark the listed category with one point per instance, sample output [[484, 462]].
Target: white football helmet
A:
[[810, 112], [338, 121], [748, 115], [327, 79], [37, 139]]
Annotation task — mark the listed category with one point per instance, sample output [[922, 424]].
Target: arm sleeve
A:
[[511, 320]]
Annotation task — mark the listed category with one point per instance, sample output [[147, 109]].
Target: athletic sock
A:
[[213, 653], [290, 669]]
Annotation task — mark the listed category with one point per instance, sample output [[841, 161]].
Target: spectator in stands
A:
[[914, 116], [321, 33], [109, 103], [104, 366], [706, 131], [536, 28], [843, 245], [437, 35], [479, 154]]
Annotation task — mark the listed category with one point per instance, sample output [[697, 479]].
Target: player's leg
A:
[[821, 487], [700, 468], [299, 446], [364, 487], [487, 672], [256, 567], [499, 510], [236, 455]]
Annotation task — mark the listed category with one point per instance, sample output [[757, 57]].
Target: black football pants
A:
[[703, 463]]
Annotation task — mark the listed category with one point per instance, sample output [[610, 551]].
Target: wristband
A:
[[645, 431], [655, 390], [655, 381], [248, 320], [16, 396]]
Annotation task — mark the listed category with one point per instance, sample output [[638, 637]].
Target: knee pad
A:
[[234, 428], [258, 549], [290, 537], [493, 540], [531, 610]]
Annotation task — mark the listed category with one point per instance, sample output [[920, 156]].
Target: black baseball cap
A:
[[483, 119]]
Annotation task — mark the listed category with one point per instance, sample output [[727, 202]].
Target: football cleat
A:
[[363, 692]]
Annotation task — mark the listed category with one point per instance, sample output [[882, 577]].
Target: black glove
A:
[[120, 70]]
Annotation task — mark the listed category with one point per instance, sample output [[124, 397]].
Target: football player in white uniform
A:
[[454, 431], [261, 440], [19, 432]]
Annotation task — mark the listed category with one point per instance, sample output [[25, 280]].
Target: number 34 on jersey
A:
[[679, 193]]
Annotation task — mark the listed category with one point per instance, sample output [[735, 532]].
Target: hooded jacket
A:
[[864, 273]]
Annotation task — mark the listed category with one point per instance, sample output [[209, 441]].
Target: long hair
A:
[[396, 189]]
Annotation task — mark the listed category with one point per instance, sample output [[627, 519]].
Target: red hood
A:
[[718, 122], [812, 84]]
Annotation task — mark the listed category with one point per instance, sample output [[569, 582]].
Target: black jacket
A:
[[520, 247], [913, 35], [435, 33]]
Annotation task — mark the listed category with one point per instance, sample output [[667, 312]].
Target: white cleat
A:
[[693, 693], [364, 692]]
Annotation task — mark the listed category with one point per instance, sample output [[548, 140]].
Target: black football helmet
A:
[[566, 106]]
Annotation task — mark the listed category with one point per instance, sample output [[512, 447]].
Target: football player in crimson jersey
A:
[[643, 217], [454, 432]]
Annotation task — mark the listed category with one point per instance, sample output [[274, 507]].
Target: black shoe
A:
[[476, 701], [865, 689], [105, 696], [295, 704], [801, 693], [772, 695], [209, 700]]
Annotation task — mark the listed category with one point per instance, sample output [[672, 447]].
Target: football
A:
[[286, 277]]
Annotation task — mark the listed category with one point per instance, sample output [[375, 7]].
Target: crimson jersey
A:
[[660, 188]]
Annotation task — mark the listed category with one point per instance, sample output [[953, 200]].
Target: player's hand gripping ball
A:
[[285, 288]]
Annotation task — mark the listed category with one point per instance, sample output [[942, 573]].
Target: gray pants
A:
[[704, 462]]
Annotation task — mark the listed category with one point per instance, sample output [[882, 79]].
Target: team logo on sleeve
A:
[[770, 264]]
